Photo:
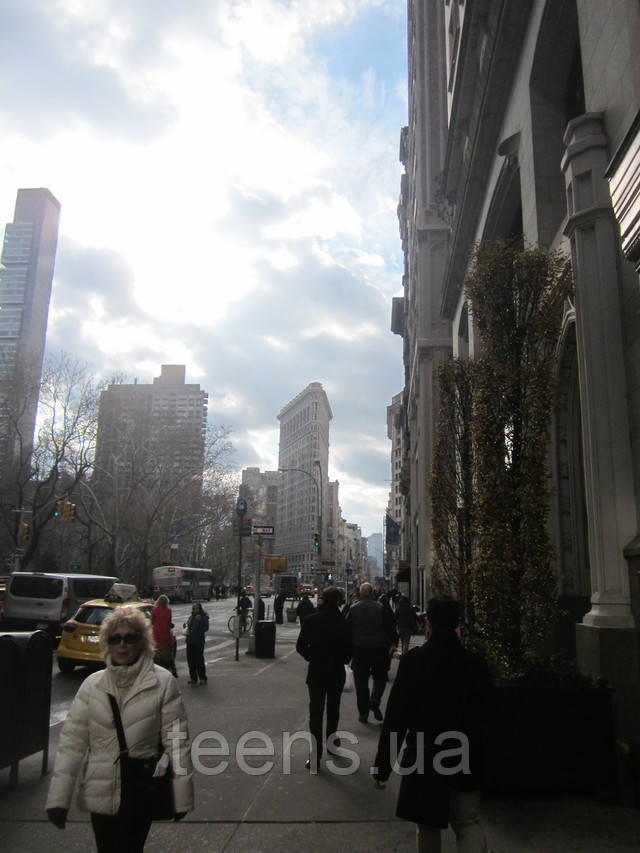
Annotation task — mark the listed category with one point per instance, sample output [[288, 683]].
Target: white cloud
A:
[[218, 174]]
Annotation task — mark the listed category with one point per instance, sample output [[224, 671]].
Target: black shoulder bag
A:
[[140, 791]]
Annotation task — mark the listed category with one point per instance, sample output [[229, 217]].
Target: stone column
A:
[[608, 628]]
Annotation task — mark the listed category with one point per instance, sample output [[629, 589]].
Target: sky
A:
[[228, 176]]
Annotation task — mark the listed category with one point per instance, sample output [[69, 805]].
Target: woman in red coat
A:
[[163, 638]]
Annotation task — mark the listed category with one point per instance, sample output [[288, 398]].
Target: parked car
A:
[[79, 641], [45, 600], [307, 589]]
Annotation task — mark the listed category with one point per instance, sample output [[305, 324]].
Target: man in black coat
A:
[[437, 703], [325, 642]]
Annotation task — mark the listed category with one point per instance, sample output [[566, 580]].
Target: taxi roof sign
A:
[[122, 592]]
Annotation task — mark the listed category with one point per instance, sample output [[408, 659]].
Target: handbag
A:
[[141, 792]]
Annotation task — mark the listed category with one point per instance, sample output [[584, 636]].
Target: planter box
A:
[[549, 739]]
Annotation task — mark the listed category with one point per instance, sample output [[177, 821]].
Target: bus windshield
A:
[[182, 583]]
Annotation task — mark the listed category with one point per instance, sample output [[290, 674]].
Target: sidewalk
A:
[[286, 808]]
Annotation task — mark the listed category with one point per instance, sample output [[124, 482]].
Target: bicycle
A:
[[245, 624]]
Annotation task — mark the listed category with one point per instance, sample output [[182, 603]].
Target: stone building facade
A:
[[523, 122]]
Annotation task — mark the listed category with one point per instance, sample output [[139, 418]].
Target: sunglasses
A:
[[127, 639]]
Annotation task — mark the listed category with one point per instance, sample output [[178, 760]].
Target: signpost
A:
[[262, 530], [241, 510]]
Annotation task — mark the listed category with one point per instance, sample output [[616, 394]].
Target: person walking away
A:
[[324, 642], [278, 607], [151, 712], [163, 639], [440, 687], [373, 636], [304, 608], [406, 622], [197, 626]]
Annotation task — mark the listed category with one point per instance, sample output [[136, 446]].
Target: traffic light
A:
[[69, 511], [316, 541], [59, 509], [24, 531]]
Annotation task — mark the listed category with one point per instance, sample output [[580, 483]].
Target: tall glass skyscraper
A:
[[26, 275]]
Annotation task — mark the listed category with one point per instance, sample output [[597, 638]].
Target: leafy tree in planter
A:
[[516, 296], [452, 488]]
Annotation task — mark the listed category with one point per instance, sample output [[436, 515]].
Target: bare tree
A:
[[46, 467]]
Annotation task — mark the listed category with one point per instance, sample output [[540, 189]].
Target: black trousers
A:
[[116, 834], [195, 662], [369, 663], [324, 690]]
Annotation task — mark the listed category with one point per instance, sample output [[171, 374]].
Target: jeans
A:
[[324, 689], [115, 834], [369, 662], [465, 822]]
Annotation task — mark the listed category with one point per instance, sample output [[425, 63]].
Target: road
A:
[[220, 644], [266, 800]]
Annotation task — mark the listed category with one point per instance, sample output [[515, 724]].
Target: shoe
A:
[[308, 766], [377, 713], [203, 681], [363, 719]]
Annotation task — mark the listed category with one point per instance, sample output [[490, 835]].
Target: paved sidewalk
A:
[[286, 808]]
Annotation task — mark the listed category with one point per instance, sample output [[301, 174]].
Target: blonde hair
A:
[[127, 617], [162, 601]]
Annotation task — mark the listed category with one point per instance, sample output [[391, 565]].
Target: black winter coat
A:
[[440, 687], [325, 642]]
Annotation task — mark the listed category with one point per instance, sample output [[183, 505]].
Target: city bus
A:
[[182, 583]]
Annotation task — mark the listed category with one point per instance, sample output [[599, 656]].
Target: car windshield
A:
[[92, 615]]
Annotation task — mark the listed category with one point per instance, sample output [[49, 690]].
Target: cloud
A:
[[228, 173]]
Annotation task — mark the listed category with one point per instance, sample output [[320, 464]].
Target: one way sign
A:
[[262, 530]]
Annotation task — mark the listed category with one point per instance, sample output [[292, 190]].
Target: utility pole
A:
[[241, 510]]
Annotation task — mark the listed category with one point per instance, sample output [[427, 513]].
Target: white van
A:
[[46, 600]]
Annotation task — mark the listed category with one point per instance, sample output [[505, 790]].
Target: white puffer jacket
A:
[[151, 705]]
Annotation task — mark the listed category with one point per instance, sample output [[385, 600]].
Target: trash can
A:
[[292, 614], [265, 639]]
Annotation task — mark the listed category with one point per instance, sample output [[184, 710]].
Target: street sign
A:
[[328, 562], [263, 530], [242, 527], [241, 506]]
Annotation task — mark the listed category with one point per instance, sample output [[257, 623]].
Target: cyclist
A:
[[244, 606]]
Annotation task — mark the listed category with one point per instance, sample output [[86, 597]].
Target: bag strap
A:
[[122, 741], [117, 719]]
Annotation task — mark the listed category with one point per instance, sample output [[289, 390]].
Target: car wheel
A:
[[65, 665]]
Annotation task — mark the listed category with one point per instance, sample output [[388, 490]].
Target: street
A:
[[266, 800]]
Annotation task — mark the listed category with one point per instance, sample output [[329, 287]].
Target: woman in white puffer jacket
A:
[[151, 709]]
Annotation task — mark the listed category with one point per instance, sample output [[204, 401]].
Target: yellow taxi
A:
[[79, 640]]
